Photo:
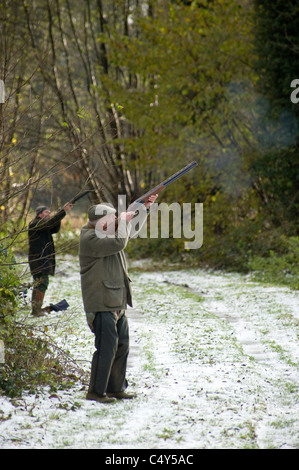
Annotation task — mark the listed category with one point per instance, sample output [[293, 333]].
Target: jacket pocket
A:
[[114, 293]]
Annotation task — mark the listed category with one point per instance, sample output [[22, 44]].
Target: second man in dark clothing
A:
[[42, 251]]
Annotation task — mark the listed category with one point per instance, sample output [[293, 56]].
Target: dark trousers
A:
[[109, 361]]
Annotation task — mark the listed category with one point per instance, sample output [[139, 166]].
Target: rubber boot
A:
[[37, 302]]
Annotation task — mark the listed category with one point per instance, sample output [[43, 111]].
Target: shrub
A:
[[280, 266], [31, 359]]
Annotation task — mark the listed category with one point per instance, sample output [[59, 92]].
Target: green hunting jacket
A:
[[105, 283]]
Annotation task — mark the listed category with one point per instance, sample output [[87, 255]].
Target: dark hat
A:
[[40, 209], [99, 210]]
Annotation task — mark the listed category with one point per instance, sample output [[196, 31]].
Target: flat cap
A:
[[99, 210], [40, 209]]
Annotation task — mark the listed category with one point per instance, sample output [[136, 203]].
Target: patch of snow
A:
[[213, 360]]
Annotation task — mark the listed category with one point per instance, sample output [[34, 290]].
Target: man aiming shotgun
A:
[[160, 187], [109, 228], [42, 250], [106, 290]]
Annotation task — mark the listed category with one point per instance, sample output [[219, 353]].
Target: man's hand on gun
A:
[[68, 206], [151, 200], [130, 214]]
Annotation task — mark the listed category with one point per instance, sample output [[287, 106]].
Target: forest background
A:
[[117, 96]]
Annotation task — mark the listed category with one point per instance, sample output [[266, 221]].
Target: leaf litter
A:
[[213, 360]]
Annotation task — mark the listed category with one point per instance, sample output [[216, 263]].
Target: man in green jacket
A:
[[106, 293]]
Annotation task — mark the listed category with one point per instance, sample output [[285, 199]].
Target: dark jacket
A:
[[41, 246]]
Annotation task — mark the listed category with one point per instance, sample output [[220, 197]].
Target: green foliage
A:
[[274, 166], [31, 361], [9, 281], [280, 266], [147, 89], [276, 42], [184, 60]]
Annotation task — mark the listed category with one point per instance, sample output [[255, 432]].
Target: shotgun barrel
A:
[[79, 196], [157, 189]]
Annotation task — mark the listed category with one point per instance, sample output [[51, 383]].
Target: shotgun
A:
[[157, 189], [134, 206], [76, 198]]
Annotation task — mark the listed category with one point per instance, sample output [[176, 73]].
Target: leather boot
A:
[[37, 302]]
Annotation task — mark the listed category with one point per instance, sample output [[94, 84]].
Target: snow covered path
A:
[[214, 361]]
